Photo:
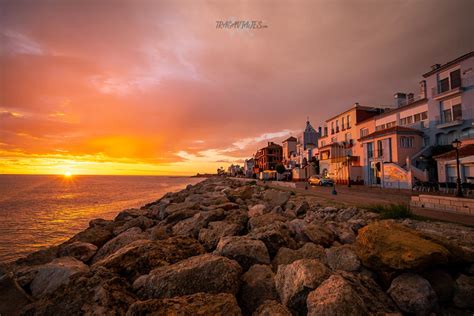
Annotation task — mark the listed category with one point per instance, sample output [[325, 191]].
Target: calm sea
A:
[[42, 210]]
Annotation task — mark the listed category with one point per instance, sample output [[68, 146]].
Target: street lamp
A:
[[457, 144], [348, 171]]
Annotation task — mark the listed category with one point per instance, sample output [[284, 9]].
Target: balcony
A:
[[447, 89], [443, 123]]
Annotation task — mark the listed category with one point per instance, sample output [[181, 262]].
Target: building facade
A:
[[267, 158]]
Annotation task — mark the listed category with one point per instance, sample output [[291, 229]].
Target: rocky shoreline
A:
[[226, 247]]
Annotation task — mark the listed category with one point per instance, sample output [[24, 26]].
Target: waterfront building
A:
[[267, 158], [338, 149], [248, 167]]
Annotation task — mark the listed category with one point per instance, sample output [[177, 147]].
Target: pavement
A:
[[361, 196]]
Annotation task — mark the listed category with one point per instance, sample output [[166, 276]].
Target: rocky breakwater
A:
[[226, 247]]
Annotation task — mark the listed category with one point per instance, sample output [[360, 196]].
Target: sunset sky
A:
[[153, 87]]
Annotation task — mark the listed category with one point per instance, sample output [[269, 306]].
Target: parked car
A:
[[321, 181]]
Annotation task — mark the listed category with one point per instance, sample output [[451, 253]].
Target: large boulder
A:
[[223, 304], [257, 209], [307, 251], [141, 222], [442, 283], [348, 294], [244, 250], [210, 236], [191, 226], [258, 285], [413, 294], [82, 251], [387, 245], [141, 256], [54, 274], [265, 219], [204, 273], [271, 308], [98, 292], [129, 214], [276, 197], [342, 258], [294, 281], [274, 236], [319, 234], [13, 297], [464, 292], [125, 238], [97, 235]]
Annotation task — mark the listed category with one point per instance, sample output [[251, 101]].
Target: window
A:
[[380, 127], [337, 126], [342, 124], [409, 119], [364, 132], [451, 110], [424, 115], [417, 117], [333, 139], [348, 137], [332, 128], [379, 149], [407, 141], [443, 85], [348, 121], [391, 124], [323, 143], [370, 151], [447, 117], [403, 121], [455, 77], [457, 112]]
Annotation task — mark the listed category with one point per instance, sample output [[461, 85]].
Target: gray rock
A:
[[129, 214], [197, 304], [140, 221], [125, 238], [82, 251], [209, 237], [141, 256], [464, 292], [307, 251], [294, 281], [54, 274], [348, 294], [204, 273], [442, 283], [276, 197], [256, 210], [274, 236], [413, 294], [271, 308], [319, 234], [258, 285], [342, 258], [244, 250]]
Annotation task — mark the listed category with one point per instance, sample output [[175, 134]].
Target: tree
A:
[[280, 169]]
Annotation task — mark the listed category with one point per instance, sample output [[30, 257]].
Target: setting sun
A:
[[67, 174]]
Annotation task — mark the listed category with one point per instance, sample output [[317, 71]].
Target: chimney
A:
[[400, 99], [356, 104], [423, 89], [435, 66]]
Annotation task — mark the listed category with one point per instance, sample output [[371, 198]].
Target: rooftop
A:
[[290, 139], [448, 64]]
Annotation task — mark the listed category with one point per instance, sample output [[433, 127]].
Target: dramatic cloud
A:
[[154, 87]]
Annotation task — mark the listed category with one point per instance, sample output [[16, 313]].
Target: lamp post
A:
[[457, 144], [348, 171]]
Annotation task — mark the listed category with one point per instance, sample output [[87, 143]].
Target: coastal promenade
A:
[[361, 196]]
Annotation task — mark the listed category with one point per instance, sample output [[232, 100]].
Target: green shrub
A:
[[393, 211], [253, 182]]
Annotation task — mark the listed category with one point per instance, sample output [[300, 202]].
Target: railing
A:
[[410, 101]]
